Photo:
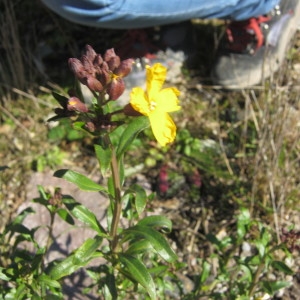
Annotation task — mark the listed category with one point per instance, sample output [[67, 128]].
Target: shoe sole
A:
[[273, 58]]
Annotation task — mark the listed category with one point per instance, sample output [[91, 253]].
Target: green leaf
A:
[[281, 266], [130, 133], [135, 270], [23, 230], [243, 223], [81, 181], [79, 259], [261, 248], [271, 287], [140, 199], [104, 154], [139, 247], [62, 100], [4, 276], [48, 281], [21, 291], [156, 239], [65, 216], [22, 215], [157, 222], [206, 267], [83, 214]]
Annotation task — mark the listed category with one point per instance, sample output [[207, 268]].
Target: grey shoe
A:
[[254, 49]]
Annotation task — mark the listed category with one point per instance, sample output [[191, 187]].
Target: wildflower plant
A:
[[113, 134]]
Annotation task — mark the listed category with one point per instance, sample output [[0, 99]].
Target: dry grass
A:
[[18, 66], [12, 67]]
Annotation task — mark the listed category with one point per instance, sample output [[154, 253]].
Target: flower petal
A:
[[156, 76], [139, 101], [163, 127], [167, 100]]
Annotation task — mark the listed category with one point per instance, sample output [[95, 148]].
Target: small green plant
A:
[[243, 262], [135, 255], [52, 158]]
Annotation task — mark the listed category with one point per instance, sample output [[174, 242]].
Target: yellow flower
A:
[[156, 103]]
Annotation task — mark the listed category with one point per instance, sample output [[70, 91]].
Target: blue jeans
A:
[[125, 14]]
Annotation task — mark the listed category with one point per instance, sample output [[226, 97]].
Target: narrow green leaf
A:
[[21, 291], [281, 266], [157, 222], [134, 269], [206, 267], [22, 215], [65, 216], [140, 199], [83, 214], [156, 239], [130, 133], [62, 100], [4, 276], [79, 126], [110, 289], [261, 248], [139, 247], [243, 223], [63, 268], [48, 281], [79, 259], [81, 181], [87, 249], [271, 287]]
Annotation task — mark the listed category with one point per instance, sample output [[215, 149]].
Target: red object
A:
[[163, 184], [242, 34]]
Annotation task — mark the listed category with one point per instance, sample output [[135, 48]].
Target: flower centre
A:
[[152, 105]]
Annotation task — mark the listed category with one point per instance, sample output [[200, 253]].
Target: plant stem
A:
[[256, 278], [117, 208]]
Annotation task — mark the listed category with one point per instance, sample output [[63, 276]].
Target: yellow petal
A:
[[163, 127], [167, 100], [139, 100], [156, 76]]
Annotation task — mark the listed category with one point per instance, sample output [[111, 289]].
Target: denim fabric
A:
[[145, 13]]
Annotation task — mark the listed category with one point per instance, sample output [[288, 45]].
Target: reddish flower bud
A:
[[125, 67], [109, 54], [114, 63], [90, 53], [94, 84], [74, 104], [78, 69], [104, 66], [116, 88], [98, 61], [90, 126], [88, 65], [106, 75]]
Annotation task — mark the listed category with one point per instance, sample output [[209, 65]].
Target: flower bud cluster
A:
[[102, 74]]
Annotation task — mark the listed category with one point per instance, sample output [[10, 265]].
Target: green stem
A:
[[117, 208], [257, 275]]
